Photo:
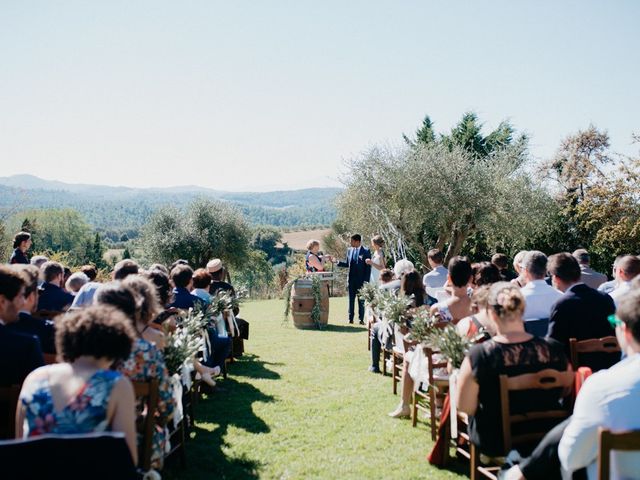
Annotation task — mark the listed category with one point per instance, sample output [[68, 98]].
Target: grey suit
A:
[[592, 278]]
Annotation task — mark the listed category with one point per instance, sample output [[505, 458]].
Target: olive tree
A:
[[205, 229]]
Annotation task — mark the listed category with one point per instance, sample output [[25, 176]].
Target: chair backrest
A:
[[593, 345], [72, 457], [8, 403], [608, 441], [50, 358], [543, 380], [537, 326], [148, 392], [432, 364]]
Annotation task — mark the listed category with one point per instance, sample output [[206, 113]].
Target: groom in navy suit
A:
[[359, 273]]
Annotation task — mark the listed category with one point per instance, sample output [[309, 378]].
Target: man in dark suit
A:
[[581, 313], [52, 297], [26, 323], [19, 353], [359, 273]]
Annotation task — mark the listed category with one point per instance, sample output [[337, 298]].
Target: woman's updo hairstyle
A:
[[378, 241], [148, 298], [506, 300]]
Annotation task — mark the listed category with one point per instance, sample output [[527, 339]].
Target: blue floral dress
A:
[[85, 413], [144, 363]]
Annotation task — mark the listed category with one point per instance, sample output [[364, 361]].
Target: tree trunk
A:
[[458, 236]]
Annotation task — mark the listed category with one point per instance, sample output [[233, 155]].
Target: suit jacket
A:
[[359, 271], [20, 354], [43, 329], [183, 299], [592, 278], [582, 313], [53, 298]]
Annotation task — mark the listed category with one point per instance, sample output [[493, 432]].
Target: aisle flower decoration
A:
[[450, 344], [369, 293], [423, 325], [185, 341], [394, 308]]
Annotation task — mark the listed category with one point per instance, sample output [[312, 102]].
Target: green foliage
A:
[[450, 344], [57, 231], [394, 307], [185, 341], [422, 326], [126, 254], [267, 238], [208, 229], [256, 274]]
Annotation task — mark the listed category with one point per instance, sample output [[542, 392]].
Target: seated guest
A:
[[538, 296], [580, 313], [411, 286], [401, 267], [437, 277], [479, 320], [628, 268], [484, 273], [95, 398], [458, 305], [519, 281], [218, 276], [90, 271], [161, 280], [148, 308], [201, 283], [386, 276], [182, 278], [21, 243], [26, 323], [610, 286], [608, 399], [510, 352], [145, 361], [39, 260], [52, 297], [19, 353], [501, 261], [589, 277], [75, 282], [124, 268], [84, 297]]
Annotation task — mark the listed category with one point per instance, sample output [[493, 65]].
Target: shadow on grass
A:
[[345, 328], [250, 366], [206, 448]]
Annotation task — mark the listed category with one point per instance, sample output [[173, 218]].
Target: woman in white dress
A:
[[377, 259]]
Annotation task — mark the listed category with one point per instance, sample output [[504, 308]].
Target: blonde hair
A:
[[312, 243], [506, 300], [378, 240]]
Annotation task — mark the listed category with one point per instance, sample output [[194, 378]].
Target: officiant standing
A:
[[359, 273]]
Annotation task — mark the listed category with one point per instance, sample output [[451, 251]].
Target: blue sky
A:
[[260, 95]]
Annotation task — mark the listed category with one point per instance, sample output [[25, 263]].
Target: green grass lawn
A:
[[301, 404]]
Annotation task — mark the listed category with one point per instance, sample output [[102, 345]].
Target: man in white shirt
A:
[[437, 277], [538, 295], [627, 269], [610, 286], [609, 399]]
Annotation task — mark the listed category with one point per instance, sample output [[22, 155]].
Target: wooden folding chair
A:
[[608, 441], [50, 358], [8, 404], [425, 401], [146, 423], [544, 380], [593, 345]]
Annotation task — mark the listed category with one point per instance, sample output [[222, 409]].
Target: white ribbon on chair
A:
[[453, 402]]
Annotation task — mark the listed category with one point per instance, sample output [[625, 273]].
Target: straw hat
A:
[[214, 265]]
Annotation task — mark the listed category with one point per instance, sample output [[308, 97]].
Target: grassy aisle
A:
[[301, 404]]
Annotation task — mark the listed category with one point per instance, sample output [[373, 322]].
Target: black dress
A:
[[18, 256], [491, 359]]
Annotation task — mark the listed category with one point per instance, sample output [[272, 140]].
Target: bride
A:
[[377, 259]]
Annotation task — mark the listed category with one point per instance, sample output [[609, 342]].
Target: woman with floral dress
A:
[[82, 395], [145, 362]]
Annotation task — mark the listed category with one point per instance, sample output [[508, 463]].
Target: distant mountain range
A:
[[127, 209]]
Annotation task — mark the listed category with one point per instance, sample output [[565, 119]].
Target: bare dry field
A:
[[298, 240]]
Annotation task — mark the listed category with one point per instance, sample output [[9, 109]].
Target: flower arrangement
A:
[[221, 301], [451, 344], [317, 298], [369, 293], [422, 326], [185, 341], [394, 308]]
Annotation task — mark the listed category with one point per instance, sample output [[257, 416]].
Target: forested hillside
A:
[[116, 210]]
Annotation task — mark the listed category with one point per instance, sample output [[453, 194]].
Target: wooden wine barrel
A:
[[302, 302]]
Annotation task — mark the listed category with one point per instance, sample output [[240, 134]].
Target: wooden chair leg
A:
[[432, 410], [393, 373], [368, 336], [473, 461], [384, 362], [414, 409]]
